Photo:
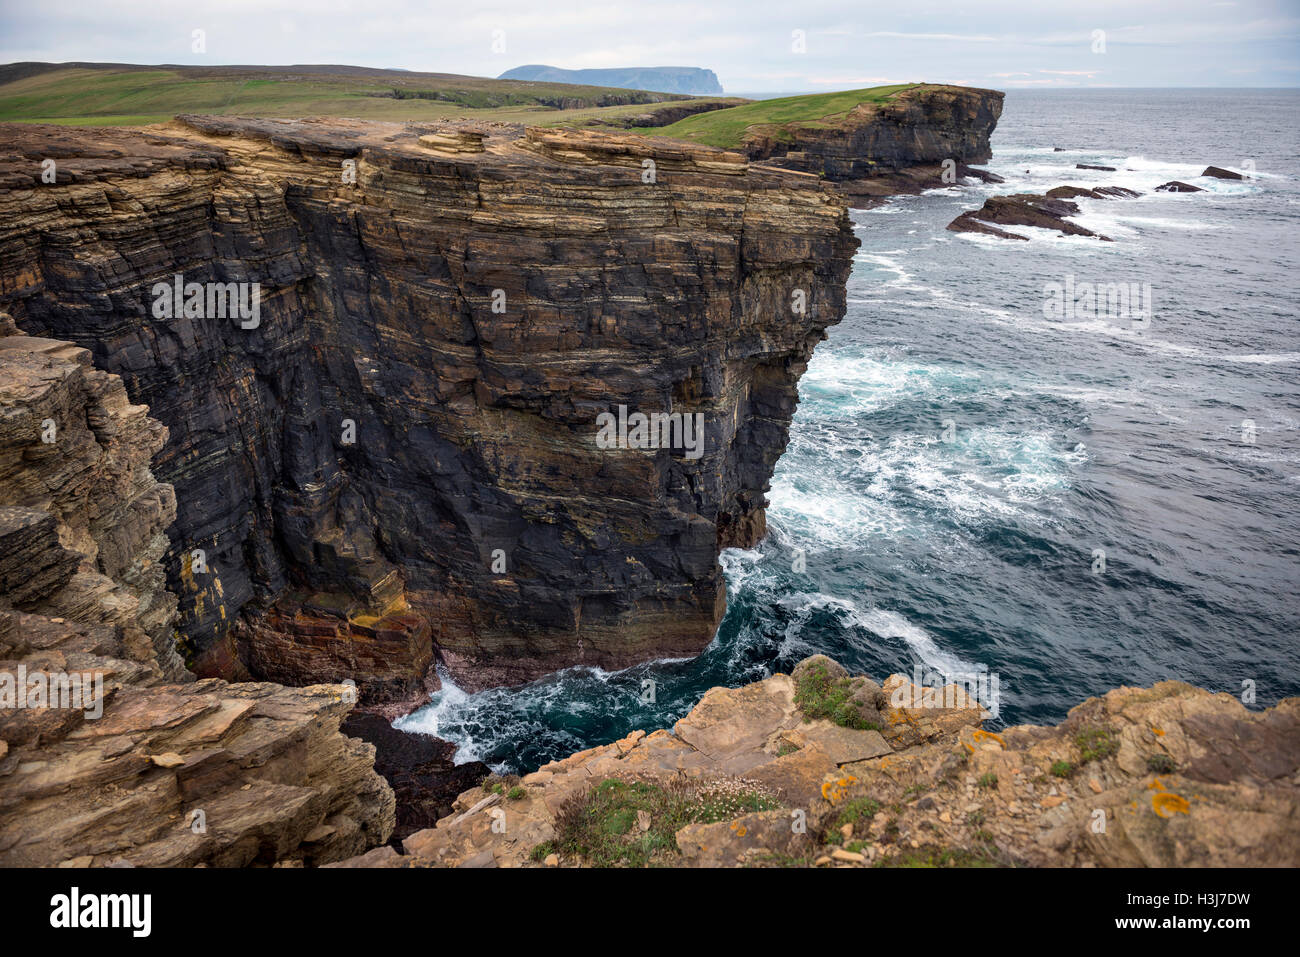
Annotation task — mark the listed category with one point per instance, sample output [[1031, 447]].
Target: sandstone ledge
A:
[[1180, 777]]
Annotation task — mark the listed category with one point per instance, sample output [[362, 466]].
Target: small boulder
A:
[[1174, 186], [834, 670], [1219, 172]]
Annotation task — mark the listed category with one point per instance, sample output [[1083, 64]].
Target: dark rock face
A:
[[879, 149], [475, 512], [419, 768], [1105, 169], [1219, 172], [1021, 209], [1174, 186]]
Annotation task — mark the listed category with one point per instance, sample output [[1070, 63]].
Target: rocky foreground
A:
[[895, 775], [143, 765]]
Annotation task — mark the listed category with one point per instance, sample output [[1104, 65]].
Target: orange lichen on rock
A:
[[1171, 803]]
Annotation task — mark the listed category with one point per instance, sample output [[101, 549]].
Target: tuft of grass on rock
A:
[[542, 851], [856, 811], [1161, 764], [935, 856], [818, 695], [987, 780], [602, 825], [500, 783], [1095, 744], [1062, 769]]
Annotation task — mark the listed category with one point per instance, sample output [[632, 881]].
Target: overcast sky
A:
[[751, 45]]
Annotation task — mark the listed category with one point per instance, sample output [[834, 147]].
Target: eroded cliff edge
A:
[[110, 752], [625, 271]]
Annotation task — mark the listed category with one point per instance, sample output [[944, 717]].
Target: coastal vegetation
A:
[[634, 823], [727, 128]]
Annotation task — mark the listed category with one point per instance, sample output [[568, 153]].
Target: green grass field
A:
[[132, 97], [726, 128], [116, 95]]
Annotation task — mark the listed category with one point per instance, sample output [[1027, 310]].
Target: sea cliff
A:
[[398, 457]]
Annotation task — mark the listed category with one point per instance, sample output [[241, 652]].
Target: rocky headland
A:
[[395, 461], [882, 149], [399, 457]]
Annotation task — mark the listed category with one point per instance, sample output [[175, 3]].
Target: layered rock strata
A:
[[110, 752], [1168, 776], [399, 453], [901, 145]]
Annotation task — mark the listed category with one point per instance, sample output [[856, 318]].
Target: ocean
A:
[[976, 485]]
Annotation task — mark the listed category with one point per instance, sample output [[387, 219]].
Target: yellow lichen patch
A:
[[1156, 785], [740, 829], [1157, 732], [981, 736], [1165, 804], [835, 790]]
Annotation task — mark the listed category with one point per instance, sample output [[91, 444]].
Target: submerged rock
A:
[[1219, 173], [418, 767], [1174, 186]]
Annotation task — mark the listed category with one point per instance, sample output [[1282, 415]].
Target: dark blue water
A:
[[1171, 445]]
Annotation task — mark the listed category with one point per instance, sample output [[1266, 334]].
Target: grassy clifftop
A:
[[726, 128], [125, 95]]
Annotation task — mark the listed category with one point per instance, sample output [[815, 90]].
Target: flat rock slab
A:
[[843, 745], [728, 722]]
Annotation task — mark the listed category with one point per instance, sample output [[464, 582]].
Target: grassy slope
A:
[[726, 128], [107, 97], [134, 96]]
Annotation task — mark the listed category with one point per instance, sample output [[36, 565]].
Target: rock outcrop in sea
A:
[[1050, 211]]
